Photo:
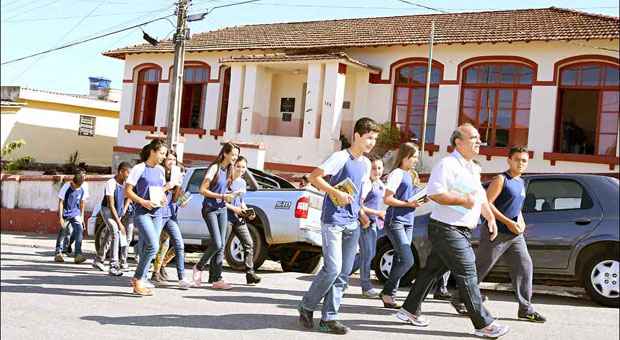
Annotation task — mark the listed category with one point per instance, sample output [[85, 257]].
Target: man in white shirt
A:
[[455, 186]]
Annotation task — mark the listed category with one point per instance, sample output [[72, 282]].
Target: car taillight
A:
[[301, 208]]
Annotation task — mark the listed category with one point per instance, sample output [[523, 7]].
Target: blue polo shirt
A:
[[142, 177], [71, 199], [340, 166]]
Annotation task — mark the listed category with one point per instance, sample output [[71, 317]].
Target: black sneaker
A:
[[459, 307], [305, 317], [446, 296], [252, 278], [333, 327], [532, 317]]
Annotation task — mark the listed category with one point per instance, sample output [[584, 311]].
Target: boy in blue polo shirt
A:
[[340, 227], [71, 205]]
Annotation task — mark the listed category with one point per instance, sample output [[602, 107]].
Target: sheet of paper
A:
[[418, 195], [156, 195]]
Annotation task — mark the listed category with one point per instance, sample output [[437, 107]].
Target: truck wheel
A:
[[382, 264], [306, 262], [101, 233], [602, 279], [234, 250]]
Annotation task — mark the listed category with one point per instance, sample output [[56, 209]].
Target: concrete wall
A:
[[41, 192]]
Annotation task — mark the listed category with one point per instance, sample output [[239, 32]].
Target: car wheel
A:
[[234, 250], [101, 233], [602, 279], [306, 262], [382, 264]]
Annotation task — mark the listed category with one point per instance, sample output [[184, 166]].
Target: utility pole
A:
[[176, 81], [428, 89]]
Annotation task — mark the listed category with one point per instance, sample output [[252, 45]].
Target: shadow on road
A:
[[246, 322]]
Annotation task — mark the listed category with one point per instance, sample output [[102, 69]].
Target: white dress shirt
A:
[[456, 174]]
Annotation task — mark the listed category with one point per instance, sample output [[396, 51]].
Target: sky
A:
[[31, 26]]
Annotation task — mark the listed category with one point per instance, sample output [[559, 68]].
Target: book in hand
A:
[[184, 199], [156, 196], [247, 213], [464, 188], [347, 186], [419, 196]]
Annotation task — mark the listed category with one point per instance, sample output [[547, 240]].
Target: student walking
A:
[[172, 189], [401, 186], [214, 188], [71, 206], [112, 211], [507, 193], [145, 187], [368, 235], [455, 186], [238, 212], [349, 170]]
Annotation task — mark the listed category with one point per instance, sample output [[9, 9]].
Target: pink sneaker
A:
[[221, 285], [197, 276]]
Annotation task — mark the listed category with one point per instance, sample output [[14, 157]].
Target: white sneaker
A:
[[184, 284], [98, 265], [125, 267], [493, 331], [371, 294], [404, 315]]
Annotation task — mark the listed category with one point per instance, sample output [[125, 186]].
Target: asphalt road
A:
[[46, 300]]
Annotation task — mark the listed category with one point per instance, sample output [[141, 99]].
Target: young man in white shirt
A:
[[455, 185]]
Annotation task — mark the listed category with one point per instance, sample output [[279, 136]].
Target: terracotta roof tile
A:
[[473, 27]]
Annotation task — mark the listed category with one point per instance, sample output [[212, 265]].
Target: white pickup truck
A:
[[287, 227]]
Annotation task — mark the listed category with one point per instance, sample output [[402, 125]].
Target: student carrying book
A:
[[339, 226]]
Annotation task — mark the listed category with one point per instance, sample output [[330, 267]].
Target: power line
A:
[[86, 40], [75, 17], [22, 12], [424, 6]]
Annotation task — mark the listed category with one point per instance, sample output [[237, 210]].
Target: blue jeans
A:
[[451, 250], [149, 228], [65, 231], [217, 223], [172, 227], [339, 246], [368, 248], [400, 236]]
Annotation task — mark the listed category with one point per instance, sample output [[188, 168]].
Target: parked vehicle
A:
[[572, 235]]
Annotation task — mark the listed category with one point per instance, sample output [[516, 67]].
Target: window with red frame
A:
[[146, 96], [495, 98], [588, 113], [195, 80], [408, 105]]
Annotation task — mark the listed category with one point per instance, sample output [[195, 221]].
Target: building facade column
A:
[[235, 100], [333, 96], [314, 97]]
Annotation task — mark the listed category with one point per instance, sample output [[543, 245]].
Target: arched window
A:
[[588, 113], [146, 96], [408, 103], [195, 79], [495, 98]]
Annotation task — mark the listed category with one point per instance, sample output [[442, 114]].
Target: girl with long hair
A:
[[401, 186], [214, 188], [145, 187]]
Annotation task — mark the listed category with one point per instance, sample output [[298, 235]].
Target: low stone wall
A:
[[30, 203]]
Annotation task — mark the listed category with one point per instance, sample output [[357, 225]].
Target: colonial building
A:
[[545, 78]]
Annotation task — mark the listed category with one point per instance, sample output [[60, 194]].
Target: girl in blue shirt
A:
[[400, 188], [214, 188], [147, 179]]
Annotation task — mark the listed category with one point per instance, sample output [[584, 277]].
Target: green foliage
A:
[[16, 164], [389, 138]]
